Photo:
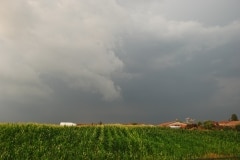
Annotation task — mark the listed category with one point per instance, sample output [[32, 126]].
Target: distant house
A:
[[173, 124], [68, 124], [228, 123]]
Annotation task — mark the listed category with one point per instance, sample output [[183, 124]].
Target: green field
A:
[[33, 141]]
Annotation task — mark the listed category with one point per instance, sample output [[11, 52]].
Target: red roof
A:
[[229, 123]]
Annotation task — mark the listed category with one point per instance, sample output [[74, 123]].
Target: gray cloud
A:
[[216, 12], [57, 42], [118, 61]]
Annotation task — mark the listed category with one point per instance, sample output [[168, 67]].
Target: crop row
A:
[[31, 141]]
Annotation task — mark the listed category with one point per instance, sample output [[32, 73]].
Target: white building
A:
[[68, 124]]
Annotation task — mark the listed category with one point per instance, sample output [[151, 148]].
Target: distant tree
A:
[[199, 123], [134, 123], [238, 127], [234, 117], [208, 124]]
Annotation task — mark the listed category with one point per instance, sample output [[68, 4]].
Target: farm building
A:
[[173, 124], [228, 123], [68, 124]]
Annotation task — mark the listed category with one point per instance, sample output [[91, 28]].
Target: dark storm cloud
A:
[[181, 76], [213, 12], [118, 61]]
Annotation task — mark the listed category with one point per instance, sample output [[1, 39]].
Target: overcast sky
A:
[[145, 61]]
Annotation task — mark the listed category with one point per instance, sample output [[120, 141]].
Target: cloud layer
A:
[[64, 39], [117, 60]]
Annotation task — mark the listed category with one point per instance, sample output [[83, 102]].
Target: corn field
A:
[[32, 141]]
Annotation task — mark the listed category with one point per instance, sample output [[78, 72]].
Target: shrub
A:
[[208, 125], [134, 123], [199, 124], [234, 117], [227, 128], [238, 127]]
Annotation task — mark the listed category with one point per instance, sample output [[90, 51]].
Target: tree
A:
[[238, 127], [208, 124], [234, 117]]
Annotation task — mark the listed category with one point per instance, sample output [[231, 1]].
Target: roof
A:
[[166, 123], [229, 123], [173, 123]]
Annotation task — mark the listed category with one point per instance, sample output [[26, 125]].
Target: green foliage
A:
[[33, 141], [234, 117], [208, 125], [199, 124], [238, 127], [134, 123], [226, 128]]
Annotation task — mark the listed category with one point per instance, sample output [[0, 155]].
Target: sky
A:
[[119, 61]]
